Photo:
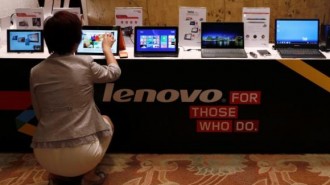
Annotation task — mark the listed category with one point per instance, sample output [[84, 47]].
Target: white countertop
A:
[[185, 53]]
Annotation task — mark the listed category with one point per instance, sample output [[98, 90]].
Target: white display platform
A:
[[185, 53]]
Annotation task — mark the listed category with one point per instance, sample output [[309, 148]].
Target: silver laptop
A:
[[222, 40]]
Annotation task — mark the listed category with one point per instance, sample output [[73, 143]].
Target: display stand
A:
[[29, 18], [127, 18], [256, 26], [190, 19]]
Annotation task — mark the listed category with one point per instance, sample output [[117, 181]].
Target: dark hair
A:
[[62, 32]]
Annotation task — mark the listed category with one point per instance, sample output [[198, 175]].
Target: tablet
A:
[[25, 40], [91, 41], [156, 41]]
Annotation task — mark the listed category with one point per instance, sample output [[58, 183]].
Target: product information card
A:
[[29, 18], [256, 26], [190, 19], [128, 17]]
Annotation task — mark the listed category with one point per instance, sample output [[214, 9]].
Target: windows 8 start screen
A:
[[156, 40]]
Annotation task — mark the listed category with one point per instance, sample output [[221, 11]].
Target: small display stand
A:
[[256, 26], [128, 17], [29, 18], [190, 19]]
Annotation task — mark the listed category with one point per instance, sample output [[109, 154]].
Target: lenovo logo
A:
[[163, 96]]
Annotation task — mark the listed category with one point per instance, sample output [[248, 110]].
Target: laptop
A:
[[25, 40], [222, 40], [91, 40], [297, 38], [156, 41]]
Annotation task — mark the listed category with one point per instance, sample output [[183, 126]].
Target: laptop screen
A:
[[222, 35], [91, 41], [296, 32], [25, 40], [155, 40]]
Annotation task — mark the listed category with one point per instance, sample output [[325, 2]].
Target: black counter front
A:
[[194, 106]]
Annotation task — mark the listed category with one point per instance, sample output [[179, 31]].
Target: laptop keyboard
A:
[[300, 53], [224, 53]]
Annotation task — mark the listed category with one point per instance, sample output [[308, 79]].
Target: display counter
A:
[[192, 105]]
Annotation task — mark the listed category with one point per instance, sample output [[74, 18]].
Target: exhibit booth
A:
[[189, 104]]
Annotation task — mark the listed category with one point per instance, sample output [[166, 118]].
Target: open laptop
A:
[[156, 41], [91, 41], [25, 41], [297, 38], [222, 40]]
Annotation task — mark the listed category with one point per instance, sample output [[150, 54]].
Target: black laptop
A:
[[297, 38], [156, 41], [222, 40]]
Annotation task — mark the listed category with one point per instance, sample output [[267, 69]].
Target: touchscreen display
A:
[[156, 40], [300, 31], [91, 41], [25, 41]]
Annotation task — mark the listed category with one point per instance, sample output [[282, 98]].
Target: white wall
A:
[[7, 7]]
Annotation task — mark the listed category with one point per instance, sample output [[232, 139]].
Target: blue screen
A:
[[297, 31], [25, 40], [156, 40]]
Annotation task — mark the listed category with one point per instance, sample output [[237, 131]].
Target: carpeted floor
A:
[[186, 169]]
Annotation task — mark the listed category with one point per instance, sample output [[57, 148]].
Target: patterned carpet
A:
[[186, 169]]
